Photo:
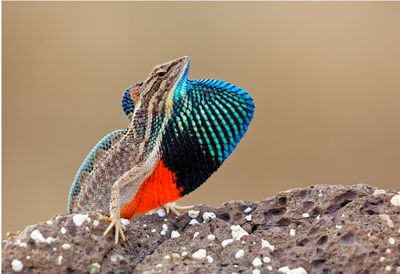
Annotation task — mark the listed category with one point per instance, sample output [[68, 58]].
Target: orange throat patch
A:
[[158, 189]]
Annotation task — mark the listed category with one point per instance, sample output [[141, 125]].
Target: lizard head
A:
[[155, 90]]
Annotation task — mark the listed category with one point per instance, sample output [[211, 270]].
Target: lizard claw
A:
[[175, 209], [119, 229]]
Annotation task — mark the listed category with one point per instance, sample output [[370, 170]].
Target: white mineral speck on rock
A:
[[292, 232], [378, 192], [256, 271], [17, 265], [257, 262], [247, 210], [398, 269], [175, 234], [238, 232], [194, 222], [63, 230], [208, 216], [94, 268], [224, 243], [59, 260], [266, 244], [386, 218], [199, 254], [338, 226], [239, 254], [164, 229], [193, 213], [248, 218], [196, 234], [395, 200], [184, 253], [161, 212], [211, 237], [284, 269], [96, 222], [382, 259], [210, 259], [49, 222], [175, 255], [287, 270], [37, 236], [116, 257], [392, 241], [388, 268], [125, 222], [28, 257], [66, 246], [79, 219], [305, 215], [159, 265], [269, 268], [153, 230], [267, 260], [167, 257], [144, 225]]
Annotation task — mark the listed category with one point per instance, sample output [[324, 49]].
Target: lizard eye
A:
[[161, 73]]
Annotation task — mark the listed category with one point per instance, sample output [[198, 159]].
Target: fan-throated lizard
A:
[[180, 132]]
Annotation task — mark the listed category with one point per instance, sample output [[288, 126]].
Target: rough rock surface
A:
[[319, 229]]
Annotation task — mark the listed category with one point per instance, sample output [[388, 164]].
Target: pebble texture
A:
[[337, 229]]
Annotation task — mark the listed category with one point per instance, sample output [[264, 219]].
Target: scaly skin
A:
[[180, 132]]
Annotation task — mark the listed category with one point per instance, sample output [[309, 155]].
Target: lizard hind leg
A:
[[175, 209], [119, 229]]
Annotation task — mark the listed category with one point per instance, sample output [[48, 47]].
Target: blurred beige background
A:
[[325, 78]]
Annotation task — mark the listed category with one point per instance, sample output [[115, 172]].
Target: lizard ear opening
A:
[[129, 98]]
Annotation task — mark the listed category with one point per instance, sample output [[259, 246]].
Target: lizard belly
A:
[[158, 189]]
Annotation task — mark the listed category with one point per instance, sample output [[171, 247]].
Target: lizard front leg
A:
[[130, 176], [115, 209]]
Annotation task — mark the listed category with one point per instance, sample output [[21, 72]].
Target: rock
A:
[[343, 232]]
